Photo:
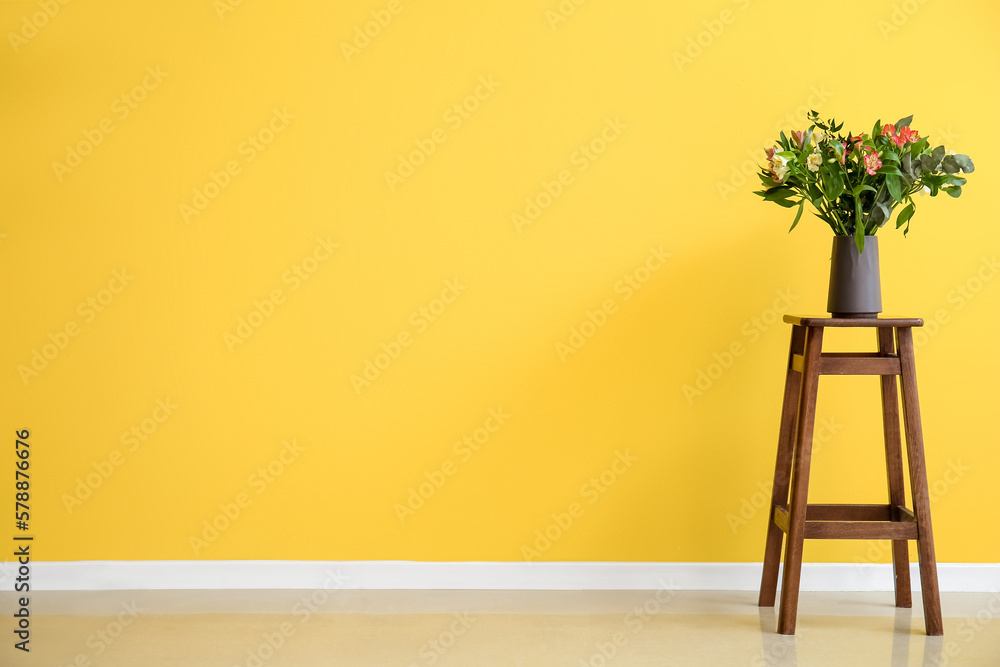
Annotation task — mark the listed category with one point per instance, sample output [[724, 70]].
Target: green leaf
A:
[[889, 169], [904, 216], [910, 166], [904, 122], [859, 238], [779, 192], [930, 162], [861, 188], [802, 206], [950, 165], [892, 182], [879, 216], [965, 162], [954, 191]]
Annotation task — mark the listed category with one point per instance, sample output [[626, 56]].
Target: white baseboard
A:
[[418, 575]]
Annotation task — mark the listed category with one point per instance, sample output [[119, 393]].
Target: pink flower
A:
[[872, 162], [799, 137], [900, 137], [770, 152], [843, 154], [909, 135], [856, 141]]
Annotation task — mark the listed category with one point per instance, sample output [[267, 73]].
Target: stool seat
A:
[[792, 515]]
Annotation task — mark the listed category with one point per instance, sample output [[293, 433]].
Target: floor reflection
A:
[[781, 650]]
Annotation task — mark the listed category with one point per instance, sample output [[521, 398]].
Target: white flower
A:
[[814, 161], [816, 136], [779, 169]]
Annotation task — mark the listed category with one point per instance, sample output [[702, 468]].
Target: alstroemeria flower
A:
[[843, 154], [856, 142], [816, 136], [814, 161], [909, 135], [776, 164], [778, 172], [779, 168], [799, 137], [901, 137], [872, 162]]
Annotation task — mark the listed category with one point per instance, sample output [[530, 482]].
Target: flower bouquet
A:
[[855, 182]]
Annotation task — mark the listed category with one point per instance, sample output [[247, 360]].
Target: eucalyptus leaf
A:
[[904, 122], [965, 162], [954, 191], [950, 165], [880, 214], [929, 162], [910, 166]]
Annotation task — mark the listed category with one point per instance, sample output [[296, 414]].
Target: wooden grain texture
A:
[[782, 470], [836, 363], [860, 530], [802, 457], [890, 322], [918, 484], [792, 519], [894, 470]]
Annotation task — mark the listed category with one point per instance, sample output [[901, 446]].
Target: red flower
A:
[[909, 135], [901, 137]]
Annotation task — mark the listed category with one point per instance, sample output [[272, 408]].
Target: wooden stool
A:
[[894, 521]]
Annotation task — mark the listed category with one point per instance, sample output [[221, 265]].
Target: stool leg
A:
[[918, 483], [894, 469], [800, 481], [782, 472]]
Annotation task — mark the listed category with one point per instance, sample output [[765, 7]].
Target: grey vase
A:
[[855, 288]]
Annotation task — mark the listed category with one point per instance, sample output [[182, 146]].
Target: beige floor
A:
[[473, 628]]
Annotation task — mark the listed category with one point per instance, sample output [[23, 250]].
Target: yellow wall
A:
[[231, 158]]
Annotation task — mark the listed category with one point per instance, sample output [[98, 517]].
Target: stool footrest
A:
[[853, 522]]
